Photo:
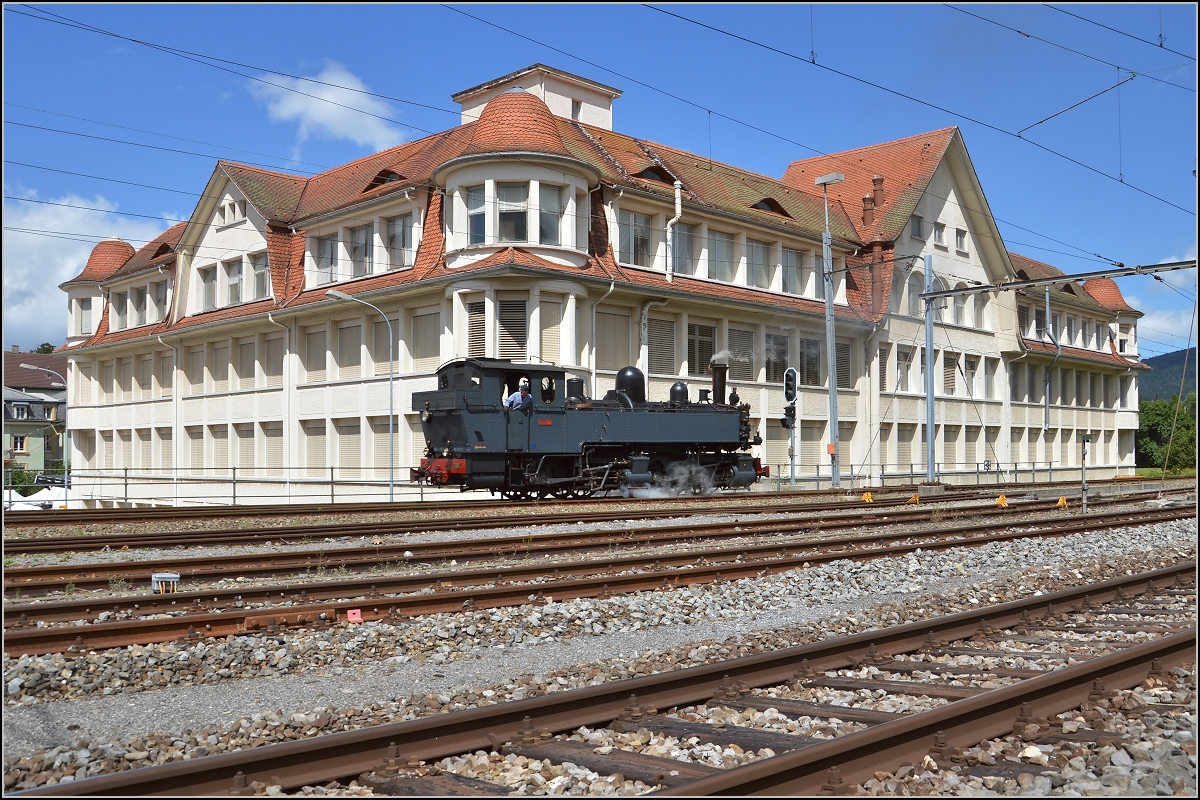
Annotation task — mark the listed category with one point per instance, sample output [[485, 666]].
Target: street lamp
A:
[[66, 440], [336, 295], [830, 345]]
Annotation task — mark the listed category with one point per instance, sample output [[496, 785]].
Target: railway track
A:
[[17, 523], [1075, 645], [191, 616]]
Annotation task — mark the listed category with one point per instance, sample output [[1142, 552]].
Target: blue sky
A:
[[1131, 198]]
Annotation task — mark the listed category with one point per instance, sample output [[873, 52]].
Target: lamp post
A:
[[336, 295], [66, 440], [830, 343]]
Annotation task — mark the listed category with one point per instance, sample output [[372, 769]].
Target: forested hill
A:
[[1162, 381]]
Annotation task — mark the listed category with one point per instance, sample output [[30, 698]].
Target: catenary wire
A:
[[1123, 33]]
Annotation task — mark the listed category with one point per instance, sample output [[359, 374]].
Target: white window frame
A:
[[233, 282], [120, 303], [260, 266], [512, 212], [399, 244], [917, 227], [360, 244], [550, 228], [939, 234], [325, 256], [208, 288], [636, 234]]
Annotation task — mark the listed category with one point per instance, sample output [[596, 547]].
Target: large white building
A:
[[211, 366]]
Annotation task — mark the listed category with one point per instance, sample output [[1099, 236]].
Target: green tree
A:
[[1156, 419], [45, 348], [20, 480]]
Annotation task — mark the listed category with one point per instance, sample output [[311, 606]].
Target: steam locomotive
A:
[[567, 445]]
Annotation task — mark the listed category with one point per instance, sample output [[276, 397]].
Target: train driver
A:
[[520, 399]]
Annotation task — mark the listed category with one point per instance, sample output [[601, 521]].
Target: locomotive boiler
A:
[[569, 445]]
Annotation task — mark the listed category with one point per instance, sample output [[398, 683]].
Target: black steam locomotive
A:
[[566, 445]]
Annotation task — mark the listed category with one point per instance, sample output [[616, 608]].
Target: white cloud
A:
[[35, 309], [317, 117]]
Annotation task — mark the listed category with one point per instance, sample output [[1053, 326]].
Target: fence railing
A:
[[979, 474]]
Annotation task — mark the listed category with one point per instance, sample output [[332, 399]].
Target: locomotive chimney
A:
[[719, 372]]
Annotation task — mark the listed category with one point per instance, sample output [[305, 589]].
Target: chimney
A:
[[868, 210], [720, 373], [16, 348], [878, 181]]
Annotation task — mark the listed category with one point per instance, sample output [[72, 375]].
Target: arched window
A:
[[960, 306], [915, 285], [939, 305]]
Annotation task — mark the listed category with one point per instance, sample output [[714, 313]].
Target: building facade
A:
[[35, 411], [212, 365]]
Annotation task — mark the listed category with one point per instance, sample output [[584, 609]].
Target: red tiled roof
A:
[[157, 252], [274, 194], [515, 121], [1111, 358], [285, 259], [106, 258], [906, 166], [1069, 292], [1106, 293]]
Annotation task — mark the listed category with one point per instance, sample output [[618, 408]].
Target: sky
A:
[[115, 115]]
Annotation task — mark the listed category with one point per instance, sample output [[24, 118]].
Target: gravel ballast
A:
[[80, 715]]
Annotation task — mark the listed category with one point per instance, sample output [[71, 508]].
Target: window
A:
[[139, 306], [972, 369], [146, 377], [818, 271], [1085, 328], [702, 341], [426, 341], [19, 442], [550, 213], [758, 264], [1039, 323], [382, 350], [220, 367], [960, 307], [793, 271], [721, 266], [314, 448], [576, 109], [513, 329], [262, 276], [845, 371], [273, 362], [349, 448], [949, 374], [476, 329], [399, 241], [327, 247], [20, 411], [914, 295], [808, 372], [233, 277], [512, 202], [939, 234], [882, 368], [980, 302], [776, 357], [917, 229], [245, 365], [362, 246], [314, 356], [635, 238], [476, 219], [741, 349], [683, 249], [1070, 331], [349, 352], [1023, 320], [208, 282], [120, 303], [1123, 397], [960, 240], [1014, 383], [612, 340], [661, 346], [903, 369], [550, 322], [85, 316], [166, 374], [159, 291]]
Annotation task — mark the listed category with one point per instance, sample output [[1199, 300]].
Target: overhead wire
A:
[[1159, 44]]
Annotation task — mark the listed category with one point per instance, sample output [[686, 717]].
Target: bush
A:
[[21, 480]]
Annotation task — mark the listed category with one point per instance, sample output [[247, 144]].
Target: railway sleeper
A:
[[446, 784]]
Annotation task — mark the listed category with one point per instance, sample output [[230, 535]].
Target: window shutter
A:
[[950, 445], [1015, 437], [476, 329], [314, 356], [273, 433], [220, 435], [246, 365], [845, 375], [426, 341], [741, 346], [273, 366], [778, 439], [195, 435], [166, 375], [106, 450], [810, 375], [845, 440], [85, 316], [220, 368], [83, 385], [146, 450], [701, 348], [126, 438], [971, 457], [514, 330], [885, 436], [904, 445], [551, 328], [381, 349], [166, 450], [349, 449], [949, 368], [379, 431], [661, 346], [314, 450], [146, 376], [810, 445], [612, 340], [127, 379], [777, 357], [350, 351], [245, 446]]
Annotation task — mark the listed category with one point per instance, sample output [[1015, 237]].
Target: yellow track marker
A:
[[1062, 502], [1002, 502], [916, 498], [867, 498]]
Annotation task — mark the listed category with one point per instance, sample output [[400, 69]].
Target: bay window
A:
[[476, 219], [550, 213], [512, 203]]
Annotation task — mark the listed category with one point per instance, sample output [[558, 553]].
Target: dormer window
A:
[[384, 176], [120, 305], [139, 306], [657, 174], [162, 250], [771, 205]]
